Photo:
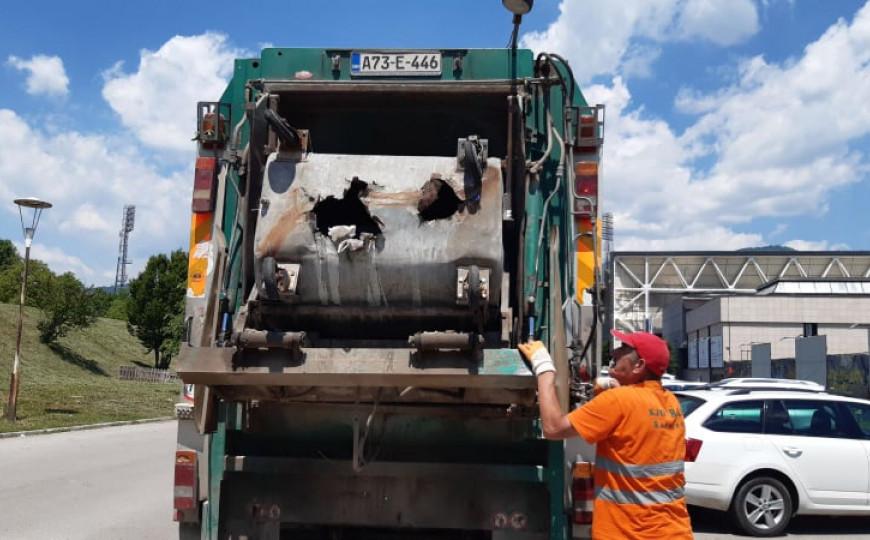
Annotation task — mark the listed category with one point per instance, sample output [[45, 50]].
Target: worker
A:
[[640, 436]]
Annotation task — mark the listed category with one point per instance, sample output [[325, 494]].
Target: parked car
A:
[[675, 385], [766, 383], [767, 455]]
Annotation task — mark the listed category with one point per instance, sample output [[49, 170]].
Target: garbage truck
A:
[[372, 233]]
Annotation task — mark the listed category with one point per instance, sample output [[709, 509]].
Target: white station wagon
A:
[[766, 455]]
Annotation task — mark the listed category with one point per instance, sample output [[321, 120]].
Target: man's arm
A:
[[556, 425]]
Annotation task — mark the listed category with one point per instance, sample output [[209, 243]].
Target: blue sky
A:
[[731, 123]]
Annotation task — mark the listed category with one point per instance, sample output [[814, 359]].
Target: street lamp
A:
[[518, 8], [36, 206]]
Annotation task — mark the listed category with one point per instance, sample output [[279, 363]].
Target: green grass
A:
[[76, 381]]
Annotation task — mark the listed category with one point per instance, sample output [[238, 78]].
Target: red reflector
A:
[[693, 448], [587, 126], [587, 135], [184, 503], [582, 492], [185, 475], [185, 480], [204, 184]]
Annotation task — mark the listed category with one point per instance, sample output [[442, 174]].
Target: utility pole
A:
[[15, 380]]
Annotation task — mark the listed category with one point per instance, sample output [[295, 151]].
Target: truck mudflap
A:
[[493, 375]]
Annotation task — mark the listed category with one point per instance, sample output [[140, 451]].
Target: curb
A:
[[48, 431]]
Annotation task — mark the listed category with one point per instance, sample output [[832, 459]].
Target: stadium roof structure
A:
[[642, 283]]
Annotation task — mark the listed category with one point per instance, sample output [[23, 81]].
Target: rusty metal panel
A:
[[402, 495], [216, 366], [402, 259]]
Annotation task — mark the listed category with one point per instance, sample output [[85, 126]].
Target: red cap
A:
[[653, 349]]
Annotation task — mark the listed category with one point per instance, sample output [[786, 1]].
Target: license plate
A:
[[395, 64]]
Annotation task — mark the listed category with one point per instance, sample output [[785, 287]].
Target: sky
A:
[[729, 123]]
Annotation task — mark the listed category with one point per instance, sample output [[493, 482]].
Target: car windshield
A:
[[689, 403]]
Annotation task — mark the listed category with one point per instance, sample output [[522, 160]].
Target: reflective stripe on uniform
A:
[[639, 471], [639, 497]]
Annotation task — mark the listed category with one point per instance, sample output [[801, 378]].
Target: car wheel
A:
[[762, 507]]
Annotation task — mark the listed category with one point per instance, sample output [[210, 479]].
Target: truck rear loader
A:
[[372, 233]]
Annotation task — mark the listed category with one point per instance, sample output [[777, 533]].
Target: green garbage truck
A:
[[372, 233]]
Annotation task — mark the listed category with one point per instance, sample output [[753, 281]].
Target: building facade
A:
[[713, 306]]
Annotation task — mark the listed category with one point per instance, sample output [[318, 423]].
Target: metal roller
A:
[[265, 339], [434, 341]]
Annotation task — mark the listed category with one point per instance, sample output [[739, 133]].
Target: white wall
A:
[[777, 320]]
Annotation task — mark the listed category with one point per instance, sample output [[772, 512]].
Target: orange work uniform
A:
[[639, 481]]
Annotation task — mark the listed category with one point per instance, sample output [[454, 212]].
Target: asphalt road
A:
[[104, 484], [116, 484]]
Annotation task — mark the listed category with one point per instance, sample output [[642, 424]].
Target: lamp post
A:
[[518, 8], [37, 206]]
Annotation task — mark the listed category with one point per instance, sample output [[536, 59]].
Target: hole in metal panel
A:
[[437, 200], [347, 211]]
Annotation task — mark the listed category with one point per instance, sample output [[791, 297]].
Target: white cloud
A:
[[58, 260], [601, 37], [775, 143], [723, 22], [45, 74], [89, 178], [88, 218], [157, 102]]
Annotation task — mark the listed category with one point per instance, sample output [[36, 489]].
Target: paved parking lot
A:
[[710, 525]]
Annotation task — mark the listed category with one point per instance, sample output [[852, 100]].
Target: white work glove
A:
[[603, 383], [537, 356]]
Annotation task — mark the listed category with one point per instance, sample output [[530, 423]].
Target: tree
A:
[[101, 301], [118, 307], [156, 305], [38, 277], [8, 253], [66, 305]]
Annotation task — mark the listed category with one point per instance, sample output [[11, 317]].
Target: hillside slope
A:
[[76, 381]]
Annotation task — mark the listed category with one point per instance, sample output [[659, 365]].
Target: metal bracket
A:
[[507, 315], [288, 277], [482, 146], [464, 285]]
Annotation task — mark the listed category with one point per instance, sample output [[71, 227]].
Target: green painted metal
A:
[[216, 463], [477, 64], [555, 475]]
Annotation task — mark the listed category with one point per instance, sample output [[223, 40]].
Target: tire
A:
[[189, 531], [762, 507]]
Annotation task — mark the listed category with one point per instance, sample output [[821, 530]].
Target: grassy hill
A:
[[76, 381]]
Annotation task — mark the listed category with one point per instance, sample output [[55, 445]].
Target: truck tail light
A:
[[586, 178], [185, 480], [588, 128], [693, 448], [204, 184], [188, 393], [582, 492]]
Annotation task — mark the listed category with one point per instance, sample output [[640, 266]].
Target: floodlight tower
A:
[[607, 235], [127, 220]]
